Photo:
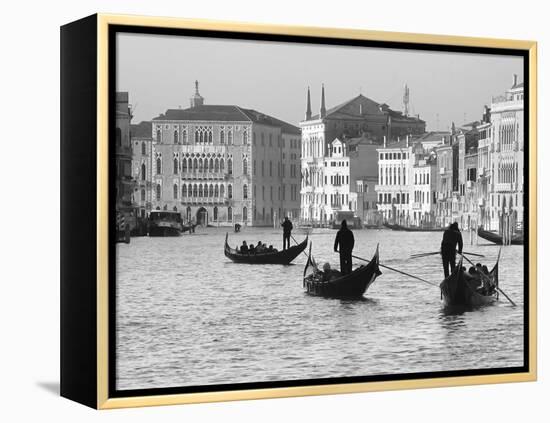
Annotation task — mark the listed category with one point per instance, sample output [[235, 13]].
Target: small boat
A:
[[278, 257], [351, 286], [396, 227], [165, 223], [458, 289], [189, 227], [517, 239]]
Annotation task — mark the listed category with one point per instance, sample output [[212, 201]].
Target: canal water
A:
[[187, 316]]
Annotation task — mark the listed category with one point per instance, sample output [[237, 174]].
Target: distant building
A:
[[124, 183], [223, 164], [507, 159], [358, 118], [142, 166]]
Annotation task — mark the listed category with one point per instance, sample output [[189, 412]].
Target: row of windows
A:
[[392, 176], [393, 156]]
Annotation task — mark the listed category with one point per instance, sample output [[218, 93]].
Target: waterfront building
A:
[[124, 183], [225, 164], [142, 166], [507, 160], [484, 165], [358, 118]]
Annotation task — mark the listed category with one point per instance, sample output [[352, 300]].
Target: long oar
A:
[[498, 289], [397, 271], [420, 255]]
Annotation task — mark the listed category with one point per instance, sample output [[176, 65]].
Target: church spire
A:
[[197, 99], [308, 109], [323, 111]]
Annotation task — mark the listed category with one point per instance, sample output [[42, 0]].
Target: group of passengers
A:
[[259, 248], [480, 274]]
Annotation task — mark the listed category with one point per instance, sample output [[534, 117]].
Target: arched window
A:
[[211, 165], [143, 172], [175, 189], [184, 137], [245, 214], [188, 213], [142, 195], [176, 166], [222, 137], [229, 166], [195, 190], [143, 148], [196, 137], [229, 137], [183, 191], [201, 137], [222, 190], [200, 190], [211, 191], [210, 137], [229, 191], [176, 141], [158, 192], [245, 167], [195, 164], [245, 191], [229, 214], [159, 166], [216, 191], [216, 165], [221, 165], [270, 168], [118, 137], [216, 213], [159, 136], [245, 137], [184, 165], [200, 165]]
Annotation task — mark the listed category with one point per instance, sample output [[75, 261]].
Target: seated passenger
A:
[[485, 269], [251, 249], [270, 249], [259, 247], [244, 248]]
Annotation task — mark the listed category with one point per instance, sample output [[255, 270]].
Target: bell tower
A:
[[197, 99]]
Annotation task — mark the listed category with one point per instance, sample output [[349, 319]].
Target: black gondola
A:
[[460, 290], [351, 286], [279, 257], [517, 239], [396, 227]]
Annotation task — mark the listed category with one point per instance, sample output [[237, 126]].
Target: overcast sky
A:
[[159, 72]]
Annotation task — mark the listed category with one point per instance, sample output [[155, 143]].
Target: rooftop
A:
[[141, 130], [226, 113]]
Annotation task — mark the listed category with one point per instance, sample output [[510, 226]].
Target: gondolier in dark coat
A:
[[343, 244], [287, 230], [451, 239]]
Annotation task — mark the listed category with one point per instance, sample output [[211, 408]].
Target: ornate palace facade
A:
[[222, 164]]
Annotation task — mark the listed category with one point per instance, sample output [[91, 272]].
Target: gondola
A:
[[517, 239], [396, 227], [279, 257], [351, 286], [460, 290]]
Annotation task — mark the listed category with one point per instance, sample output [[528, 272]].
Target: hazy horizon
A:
[[159, 72]]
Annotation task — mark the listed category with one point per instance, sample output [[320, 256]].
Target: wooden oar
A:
[[420, 255], [395, 270], [498, 289]]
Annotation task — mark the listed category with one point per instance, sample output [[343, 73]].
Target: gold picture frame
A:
[[80, 385]]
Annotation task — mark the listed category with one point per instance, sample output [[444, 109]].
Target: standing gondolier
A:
[[451, 238], [343, 244], [287, 231]]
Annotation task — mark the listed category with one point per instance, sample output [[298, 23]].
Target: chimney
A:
[[323, 111], [308, 108]]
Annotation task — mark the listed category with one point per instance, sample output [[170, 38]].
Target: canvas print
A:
[[290, 211]]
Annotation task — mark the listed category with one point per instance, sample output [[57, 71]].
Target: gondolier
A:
[[287, 231], [343, 244], [451, 239]]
